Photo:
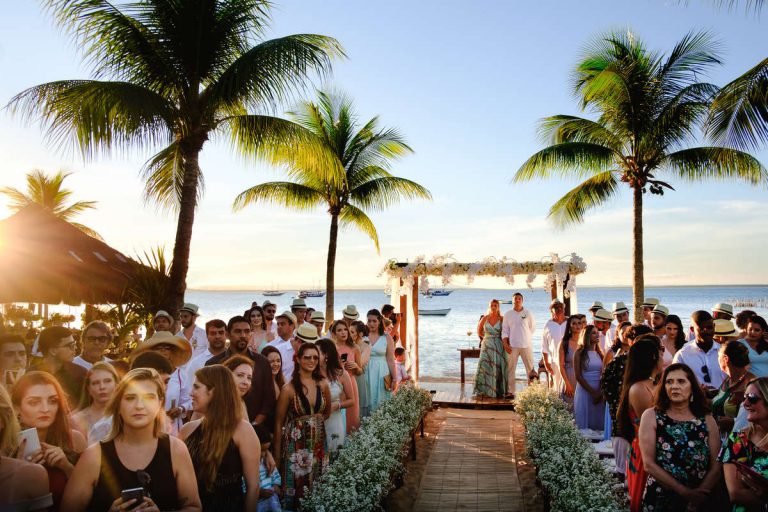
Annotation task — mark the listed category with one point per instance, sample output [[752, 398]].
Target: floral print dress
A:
[[303, 454], [682, 450], [738, 448]]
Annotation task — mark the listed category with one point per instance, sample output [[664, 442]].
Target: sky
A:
[[465, 83]]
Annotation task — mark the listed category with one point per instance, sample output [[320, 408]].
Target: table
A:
[[465, 353]]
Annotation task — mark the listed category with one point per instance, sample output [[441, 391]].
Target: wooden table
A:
[[465, 353]]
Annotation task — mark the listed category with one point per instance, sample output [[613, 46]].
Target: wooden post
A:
[[415, 299], [403, 324]]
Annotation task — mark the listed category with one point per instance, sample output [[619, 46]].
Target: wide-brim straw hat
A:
[[725, 328], [290, 316], [596, 305], [650, 302], [661, 309], [602, 315], [299, 304], [723, 308], [307, 333], [317, 316], [181, 354], [350, 312], [620, 307], [164, 313], [190, 308]]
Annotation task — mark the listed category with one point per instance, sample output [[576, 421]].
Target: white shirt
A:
[[553, 334], [199, 340], [286, 352], [177, 395], [610, 337], [518, 326], [85, 364], [696, 359], [100, 430], [196, 363]]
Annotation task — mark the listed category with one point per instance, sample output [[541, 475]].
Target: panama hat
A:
[[602, 315], [268, 303], [307, 333], [661, 309], [290, 316], [723, 308], [619, 307], [317, 316], [555, 302], [299, 304], [181, 354], [725, 328], [190, 308], [596, 305], [650, 302], [163, 313], [350, 312]]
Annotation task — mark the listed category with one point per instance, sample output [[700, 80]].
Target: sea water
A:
[[441, 337]]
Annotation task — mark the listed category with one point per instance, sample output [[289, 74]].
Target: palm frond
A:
[[68, 212], [716, 164], [353, 216], [562, 128], [568, 160], [691, 57], [381, 193], [281, 193], [589, 194], [88, 231], [164, 179]]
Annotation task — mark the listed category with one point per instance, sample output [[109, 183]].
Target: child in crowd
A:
[[402, 374], [269, 495]]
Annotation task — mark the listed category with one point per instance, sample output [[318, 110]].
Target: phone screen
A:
[[33, 441]]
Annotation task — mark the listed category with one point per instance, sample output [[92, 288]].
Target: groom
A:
[[517, 335]]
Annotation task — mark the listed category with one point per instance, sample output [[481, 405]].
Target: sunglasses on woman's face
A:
[[752, 398]]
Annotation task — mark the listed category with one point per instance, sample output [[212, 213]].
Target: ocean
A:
[[440, 337]]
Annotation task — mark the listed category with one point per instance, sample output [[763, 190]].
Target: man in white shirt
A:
[[190, 331], [286, 323], [299, 310], [517, 329], [621, 315], [602, 319], [701, 355], [270, 309], [96, 338], [216, 333], [550, 341]]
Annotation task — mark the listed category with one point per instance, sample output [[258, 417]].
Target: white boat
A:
[[272, 293], [441, 292], [434, 312], [311, 293]]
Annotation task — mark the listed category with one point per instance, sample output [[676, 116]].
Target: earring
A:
[[691, 399]]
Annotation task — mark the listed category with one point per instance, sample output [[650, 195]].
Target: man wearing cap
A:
[[517, 329], [270, 309], [349, 314], [602, 320], [283, 342], [299, 309], [659, 320], [701, 355], [648, 304], [553, 334], [216, 332], [163, 321], [318, 320], [260, 400], [190, 331]]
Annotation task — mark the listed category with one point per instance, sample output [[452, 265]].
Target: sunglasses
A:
[[310, 358], [752, 398], [705, 371]]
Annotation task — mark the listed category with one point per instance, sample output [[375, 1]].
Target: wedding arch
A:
[[405, 280]]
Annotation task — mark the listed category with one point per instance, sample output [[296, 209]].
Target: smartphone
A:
[[136, 493], [344, 358], [33, 441]]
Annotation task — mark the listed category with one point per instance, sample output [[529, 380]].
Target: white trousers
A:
[[527, 354]]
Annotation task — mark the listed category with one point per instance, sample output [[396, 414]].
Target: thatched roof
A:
[[44, 259]]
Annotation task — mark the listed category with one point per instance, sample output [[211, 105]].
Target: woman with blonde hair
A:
[[137, 454], [223, 445], [24, 485], [98, 388], [491, 377], [41, 403]]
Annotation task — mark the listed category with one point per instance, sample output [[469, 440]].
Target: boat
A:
[[303, 294], [272, 293], [434, 312], [442, 292]]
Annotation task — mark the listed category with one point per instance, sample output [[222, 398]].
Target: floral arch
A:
[[405, 280]]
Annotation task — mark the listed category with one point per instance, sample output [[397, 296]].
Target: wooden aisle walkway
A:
[[473, 465]]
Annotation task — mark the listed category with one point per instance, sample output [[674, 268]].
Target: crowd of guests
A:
[[686, 410], [236, 415]]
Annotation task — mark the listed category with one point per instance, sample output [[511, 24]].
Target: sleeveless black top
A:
[[114, 478], [227, 492]]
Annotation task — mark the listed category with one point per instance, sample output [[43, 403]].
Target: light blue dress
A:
[[758, 362], [377, 369], [589, 414]]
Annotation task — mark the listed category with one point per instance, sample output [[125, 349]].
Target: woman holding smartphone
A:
[[351, 360], [40, 402], [138, 467]]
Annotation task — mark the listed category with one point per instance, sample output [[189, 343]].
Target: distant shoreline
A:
[[581, 287]]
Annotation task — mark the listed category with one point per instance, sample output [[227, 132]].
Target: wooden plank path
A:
[[473, 465], [459, 395]]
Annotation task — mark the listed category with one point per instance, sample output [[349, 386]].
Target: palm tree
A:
[[649, 106], [170, 75], [352, 179], [49, 193]]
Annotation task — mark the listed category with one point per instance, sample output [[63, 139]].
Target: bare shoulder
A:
[[648, 416], [178, 448], [79, 444], [188, 428]]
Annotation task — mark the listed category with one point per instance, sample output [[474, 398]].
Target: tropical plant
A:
[[350, 179], [48, 192], [649, 107], [170, 75]]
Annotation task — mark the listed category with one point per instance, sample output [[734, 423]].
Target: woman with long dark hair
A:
[[351, 362], [299, 441], [41, 403], [382, 363], [679, 441], [242, 371], [568, 346], [276, 366], [674, 339], [588, 403], [644, 363], [757, 330], [342, 394], [98, 388], [260, 336], [224, 448]]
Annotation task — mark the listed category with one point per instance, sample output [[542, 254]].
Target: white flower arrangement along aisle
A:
[[363, 472], [568, 467]]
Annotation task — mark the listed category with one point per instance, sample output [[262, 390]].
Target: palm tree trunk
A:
[[638, 284], [330, 269], [181, 247]]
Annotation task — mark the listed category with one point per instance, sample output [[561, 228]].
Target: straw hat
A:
[[596, 305], [723, 308], [189, 308], [602, 315], [290, 316], [619, 307], [181, 353], [661, 309], [163, 313], [307, 333], [555, 302], [725, 328], [299, 304], [350, 312], [317, 316], [267, 303], [650, 302]]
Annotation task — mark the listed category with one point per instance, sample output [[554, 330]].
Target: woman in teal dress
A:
[[382, 362], [491, 377]]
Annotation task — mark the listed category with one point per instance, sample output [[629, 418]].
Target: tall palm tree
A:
[[649, 107], [48, 192], [169, 75], [350, 180]]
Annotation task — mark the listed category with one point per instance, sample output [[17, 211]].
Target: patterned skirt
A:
[[303, 457]]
